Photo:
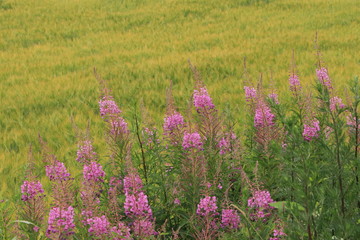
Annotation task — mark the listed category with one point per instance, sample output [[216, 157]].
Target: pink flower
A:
[[132, 184], [177, 201], [137, 205], [336, 102], [99, 226], [274, 97], [230, 218], [224, 145], [118, 126], [61, 221], [173, 122], [294, 83], [250, 94], [93, 172], [207, 206], [30, 190], [322, 75], [85, 152], [108, 107], [263, 116], [311, 131], [120, 232], [260, 199], [192, 140], [57, 171], [143, 228], [202, 99]]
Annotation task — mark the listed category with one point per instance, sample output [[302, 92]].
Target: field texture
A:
[[48, 50]]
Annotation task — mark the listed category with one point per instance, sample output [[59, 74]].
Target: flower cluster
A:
[[93, 172], [263, 116], [57, 172], [224, 146], [173, 122], [98, 226], [85, 152], [230, 219], [294, 83], [137, 207], [277, 234], [322, 75], [30, 190], [260, 202], [336, 102], [250, 94], [274, 97], [202, 99], [207, 206], [192, 140], [118, 126], [311, 131], [108, 107], [121, 232], [260, 199], [61, 221]]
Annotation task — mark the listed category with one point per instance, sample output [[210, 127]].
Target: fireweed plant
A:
[[296, 175]]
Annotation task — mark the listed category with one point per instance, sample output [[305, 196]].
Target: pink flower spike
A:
[[311, 131], [93, 172], [250, 94], [336, 102], [173, 122], [263, 116], [202, 99], [108, 107], [323, 77], [192, 140], [207, 206], [294, 83]]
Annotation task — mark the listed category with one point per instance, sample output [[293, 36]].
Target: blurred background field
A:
[[48, 50]]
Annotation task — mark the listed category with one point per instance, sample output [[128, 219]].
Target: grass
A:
[[48, 49]]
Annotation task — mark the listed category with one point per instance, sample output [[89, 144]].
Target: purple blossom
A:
[[336, 102], [85, 152], [132, 183], [260, 199], [137, 205], [177, 201], [207, 206], [143, 228], [311, 131], [93, 172], [57, 171], [322, 75], [99, 226], [277, 233], [120, 232], [202, 99], [30, 190], [118, 126], [294, 83], [173, 122], [274, 97], [263, 116], [230, 218], [61, 221], [192, 140], [108, 107], [224, 146], [250, 94]]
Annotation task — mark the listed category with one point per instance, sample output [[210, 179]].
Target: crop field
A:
[[49, 49]]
